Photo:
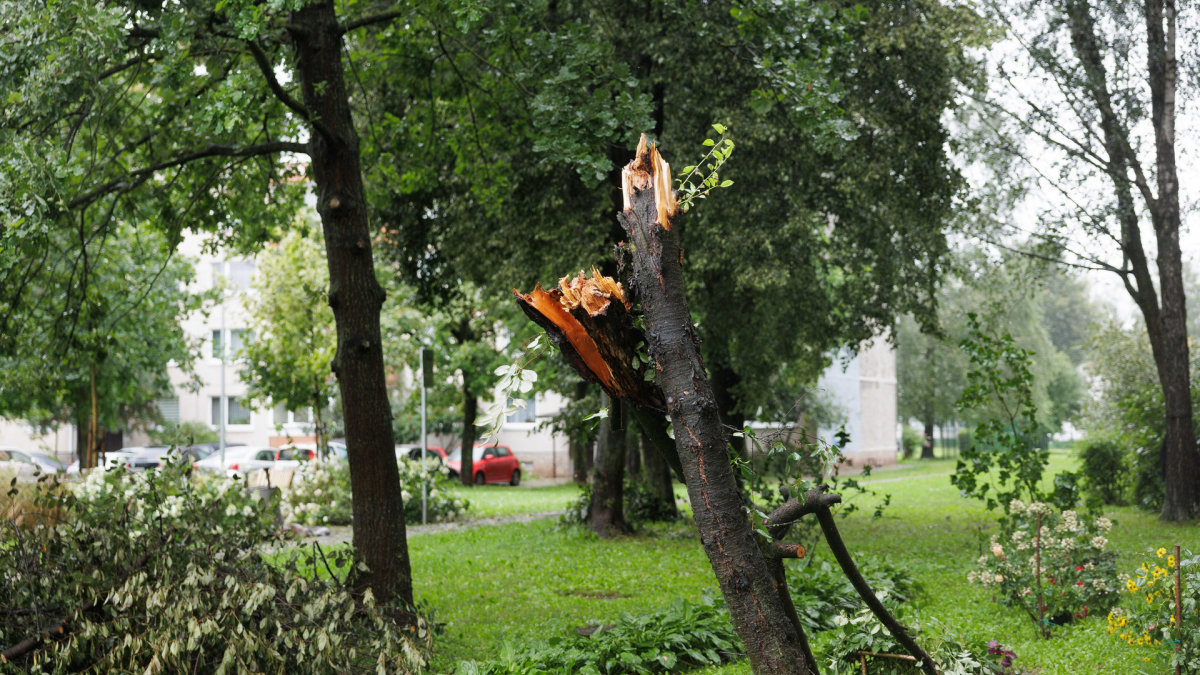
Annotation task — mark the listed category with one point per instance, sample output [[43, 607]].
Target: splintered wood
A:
[[589, 319], [646, 170]]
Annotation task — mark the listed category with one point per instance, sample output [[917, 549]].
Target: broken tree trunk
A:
[[772, 642]]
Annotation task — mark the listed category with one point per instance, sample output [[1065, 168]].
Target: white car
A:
[[111, 459], [239, 461], [16, 462]]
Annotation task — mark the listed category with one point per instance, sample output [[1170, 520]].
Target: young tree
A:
[[287, 360], [1109, 120]]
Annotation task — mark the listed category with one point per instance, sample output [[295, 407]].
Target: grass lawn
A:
[[523, 582]]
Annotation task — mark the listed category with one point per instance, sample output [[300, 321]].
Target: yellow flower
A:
[[1170, 562], [1161, 552], [1131, 585]]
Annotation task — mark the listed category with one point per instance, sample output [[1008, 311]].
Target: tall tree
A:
[[1110, 117], [186, 114], [470, 156]]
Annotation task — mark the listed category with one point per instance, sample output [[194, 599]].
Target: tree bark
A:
[[466, 473], [356, 298], [927, 443], [1182, 498], [607, 515], [772, 642]]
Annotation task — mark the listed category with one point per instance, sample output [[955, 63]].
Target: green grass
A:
[[523, 582], [490, 501]]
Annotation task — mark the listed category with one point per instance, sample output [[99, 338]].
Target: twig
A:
[[1178, 607]]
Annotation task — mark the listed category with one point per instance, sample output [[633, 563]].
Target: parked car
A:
[[14, 461], [489, 464], [112, 458], [433, 453], [154, 457], [239, 461], [49, 464], [288, 458]]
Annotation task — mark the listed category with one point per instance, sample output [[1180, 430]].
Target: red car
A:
[[490, 464]]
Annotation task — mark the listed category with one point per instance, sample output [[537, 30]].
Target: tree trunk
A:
[[927, 443], [466, 472], [658, 477], [607, 515], [772, 642], [580, 452], [356, 298], [724, 379], [1182, 498]]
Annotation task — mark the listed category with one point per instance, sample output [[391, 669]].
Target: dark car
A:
[[490, 464], [433, 453]]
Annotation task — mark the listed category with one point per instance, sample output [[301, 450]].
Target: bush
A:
[[911, 441], [1105, 468], [153, 572], [1077, 576], [683, 635], [320, 494], [1147, 618]]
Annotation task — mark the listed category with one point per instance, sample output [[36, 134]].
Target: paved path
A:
[[342, 534]]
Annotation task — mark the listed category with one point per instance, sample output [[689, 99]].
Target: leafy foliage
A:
[[1104, 469], [683, 635], [697, 181], [821, 591], [1127, 405], [157, 572], [1000, 382], [321, 493], [860, 641]]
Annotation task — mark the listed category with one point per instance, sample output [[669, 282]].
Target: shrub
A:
[[1147, 618], [321, 495], [1057, 572], [152, 572], [911, 440], [681, 636], [1105, 468]]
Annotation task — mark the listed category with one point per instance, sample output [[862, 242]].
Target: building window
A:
[[284, 416], [525, 415], [168, 410], [236, 414], [237, 273], [238, 337]]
